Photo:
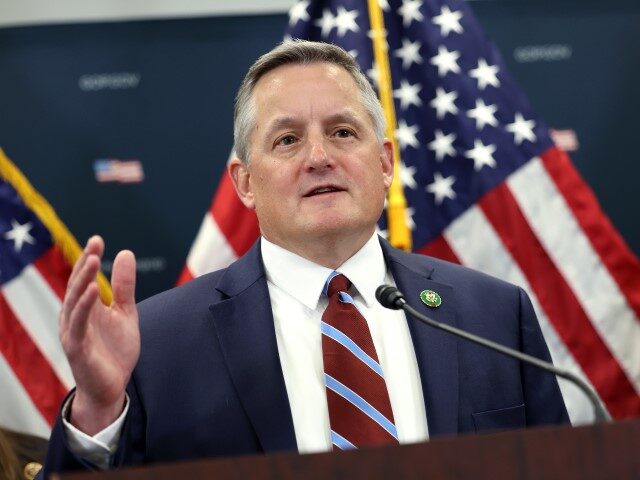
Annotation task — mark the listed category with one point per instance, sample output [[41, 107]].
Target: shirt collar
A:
[[304, 280]]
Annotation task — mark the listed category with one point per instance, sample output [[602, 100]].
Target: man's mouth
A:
[[323, 190]]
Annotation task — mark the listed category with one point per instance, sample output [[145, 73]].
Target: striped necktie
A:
[[359, 407]]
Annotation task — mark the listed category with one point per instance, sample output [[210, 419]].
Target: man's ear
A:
[[240, 175], [386, 159]]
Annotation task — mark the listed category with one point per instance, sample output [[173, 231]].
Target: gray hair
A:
[[304, 53]]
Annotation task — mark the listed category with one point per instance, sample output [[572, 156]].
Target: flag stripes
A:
[[558, 302], [439, 248], [623, 266], [227, 231], [39, 318], [30, 367], [593, 286], [209, 239], [29, 346], [511, 248], [226, 209], [17, 410], [36, 250], [54, 269], [480, 247]]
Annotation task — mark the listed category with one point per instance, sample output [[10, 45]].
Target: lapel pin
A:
[[430, 298]]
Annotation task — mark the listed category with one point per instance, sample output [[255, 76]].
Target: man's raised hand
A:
[[102, 343]]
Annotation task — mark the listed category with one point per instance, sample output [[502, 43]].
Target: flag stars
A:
[[20, 235], [481, 155], [410, 12], [448, 21], [409, 53], [326, 23], [409, 212], [406, 176], [441, 187], [346, 21], [299, 12], [522, 129], [444, 103], [483, 114], [408, 94], [373, 74], [446, 61], [442, 145], [406, 135], [485, 74]]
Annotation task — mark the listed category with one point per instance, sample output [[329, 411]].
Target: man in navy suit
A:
[[232, 362]]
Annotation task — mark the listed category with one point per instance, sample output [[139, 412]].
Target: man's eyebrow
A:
[[280, 122], [345, 117], [289, 121]]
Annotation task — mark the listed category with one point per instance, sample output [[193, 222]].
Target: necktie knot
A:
[[337, 283]]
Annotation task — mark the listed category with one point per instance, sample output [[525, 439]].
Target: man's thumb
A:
[[123, 279]]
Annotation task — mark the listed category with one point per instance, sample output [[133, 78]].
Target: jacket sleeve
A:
[[130, 450]]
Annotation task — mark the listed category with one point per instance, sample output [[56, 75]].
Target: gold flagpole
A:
[[399, 233]]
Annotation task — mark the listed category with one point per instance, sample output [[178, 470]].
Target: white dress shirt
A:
[[295, 287]]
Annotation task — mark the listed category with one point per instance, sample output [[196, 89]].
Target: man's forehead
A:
[[304, 71], [342, 115], [295, 93]]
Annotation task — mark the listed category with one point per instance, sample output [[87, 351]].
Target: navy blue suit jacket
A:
[[209, 381]]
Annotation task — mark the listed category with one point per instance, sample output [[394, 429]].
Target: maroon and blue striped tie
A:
[[359, 407]]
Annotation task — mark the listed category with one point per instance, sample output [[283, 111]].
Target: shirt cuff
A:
[[98, 449]]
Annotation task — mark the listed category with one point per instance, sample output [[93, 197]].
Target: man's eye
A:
[[344, 133], [288, 140]]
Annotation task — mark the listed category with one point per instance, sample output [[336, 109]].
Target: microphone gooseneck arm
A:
[[391, 297]]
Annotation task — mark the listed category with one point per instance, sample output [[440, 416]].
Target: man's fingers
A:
[[77, 287], [95, 246], [123, 280], [79, 316]]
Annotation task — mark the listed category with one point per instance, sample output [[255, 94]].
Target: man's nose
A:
[[318, 156]]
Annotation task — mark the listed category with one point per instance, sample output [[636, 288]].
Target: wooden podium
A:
[[593, 452]]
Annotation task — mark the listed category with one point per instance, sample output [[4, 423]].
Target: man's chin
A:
[[337, 226]]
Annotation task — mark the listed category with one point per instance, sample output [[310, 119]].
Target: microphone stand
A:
[[391, 297]]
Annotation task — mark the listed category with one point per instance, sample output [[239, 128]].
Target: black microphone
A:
[[391, 297]]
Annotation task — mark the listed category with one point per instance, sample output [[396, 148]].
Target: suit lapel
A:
[[245, 329], [436, 351]]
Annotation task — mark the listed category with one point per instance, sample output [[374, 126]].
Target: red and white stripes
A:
[[227, 231], [531, 231], [34, 370]]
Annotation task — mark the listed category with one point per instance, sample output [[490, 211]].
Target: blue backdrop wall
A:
[[161, 92]]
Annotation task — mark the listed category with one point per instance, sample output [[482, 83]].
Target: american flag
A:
[[120, 171], [34, 374], [485, 186], [36, 251]]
